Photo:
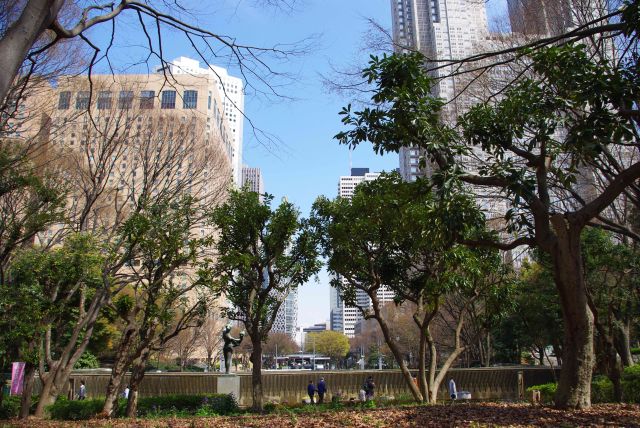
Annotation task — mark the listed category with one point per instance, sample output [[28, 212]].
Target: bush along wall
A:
[[601, 388], [631, 384], [169, 405]]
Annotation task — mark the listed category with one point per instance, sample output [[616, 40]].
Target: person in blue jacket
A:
[[311, 390], [322, 388]]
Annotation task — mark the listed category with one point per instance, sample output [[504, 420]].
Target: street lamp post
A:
[[314, 353]]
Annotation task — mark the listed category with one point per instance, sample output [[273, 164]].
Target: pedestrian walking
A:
[[369, 388], [82, 393], [125, 393], [322, 388], [311, 390]]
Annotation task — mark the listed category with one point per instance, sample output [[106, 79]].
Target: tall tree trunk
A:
[[436, 380], [19, 38], [137, 374], [433, 367], [60, 370], [27, 391], [415, 391], [48, 394], [256, 373], [422, 365], [622, 341], [574, 389], [557, 351], [488, 350], [122, 362]]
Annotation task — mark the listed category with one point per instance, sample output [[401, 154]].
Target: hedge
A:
[[631, 384], [183, 405], [601, 388]]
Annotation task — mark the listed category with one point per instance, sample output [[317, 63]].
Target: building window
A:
[[146, 99], [82, 100], [64, 102], [168, 99], [190, 99], [104, 100], [125, 100], [209, 101]]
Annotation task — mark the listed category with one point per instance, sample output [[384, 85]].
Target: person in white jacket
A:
[[452, 389]]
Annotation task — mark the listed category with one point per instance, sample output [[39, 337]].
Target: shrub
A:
[[174, 405], [635, 351], [75, 410], [270, 407], [631, 384], [547, 391], [87, 361], [220, 404], [10, 407], [601, 390]]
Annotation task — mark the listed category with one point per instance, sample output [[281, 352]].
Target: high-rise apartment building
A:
[[343, 318], [252, 178], [231, 90]]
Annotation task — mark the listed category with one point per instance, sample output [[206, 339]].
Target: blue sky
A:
[[307, 161], [312, 160]]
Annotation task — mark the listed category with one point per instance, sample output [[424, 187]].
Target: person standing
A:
[[311, 390], [82, 393], [125, 394], [322, 388], [369, 388]]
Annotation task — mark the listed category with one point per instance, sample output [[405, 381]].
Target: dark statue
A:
[[229, 344]]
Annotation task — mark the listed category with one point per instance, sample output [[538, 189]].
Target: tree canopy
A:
[[261, 255]]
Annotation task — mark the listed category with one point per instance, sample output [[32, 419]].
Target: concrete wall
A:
[[291, 386]]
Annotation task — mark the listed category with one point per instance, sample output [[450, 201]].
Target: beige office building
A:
[[136, 135]]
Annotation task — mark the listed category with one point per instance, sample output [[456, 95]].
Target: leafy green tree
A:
[[404, 236], [333, 344], [158, 304], [535, 321], [31, 199], [611, 269], [569, 115], [41, 305], [87, 361], [262, 255]]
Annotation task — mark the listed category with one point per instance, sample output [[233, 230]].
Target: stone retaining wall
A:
[[291, 386]]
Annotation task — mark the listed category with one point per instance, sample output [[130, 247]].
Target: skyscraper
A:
[[552, 17], [252, 178], [343, 318], [440, 30], [231, 90], [539, 17], [287, 317]]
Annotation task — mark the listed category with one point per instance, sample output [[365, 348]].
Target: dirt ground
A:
[[458, 415]]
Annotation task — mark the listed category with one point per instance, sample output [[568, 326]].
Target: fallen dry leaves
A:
[[458, 415]]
